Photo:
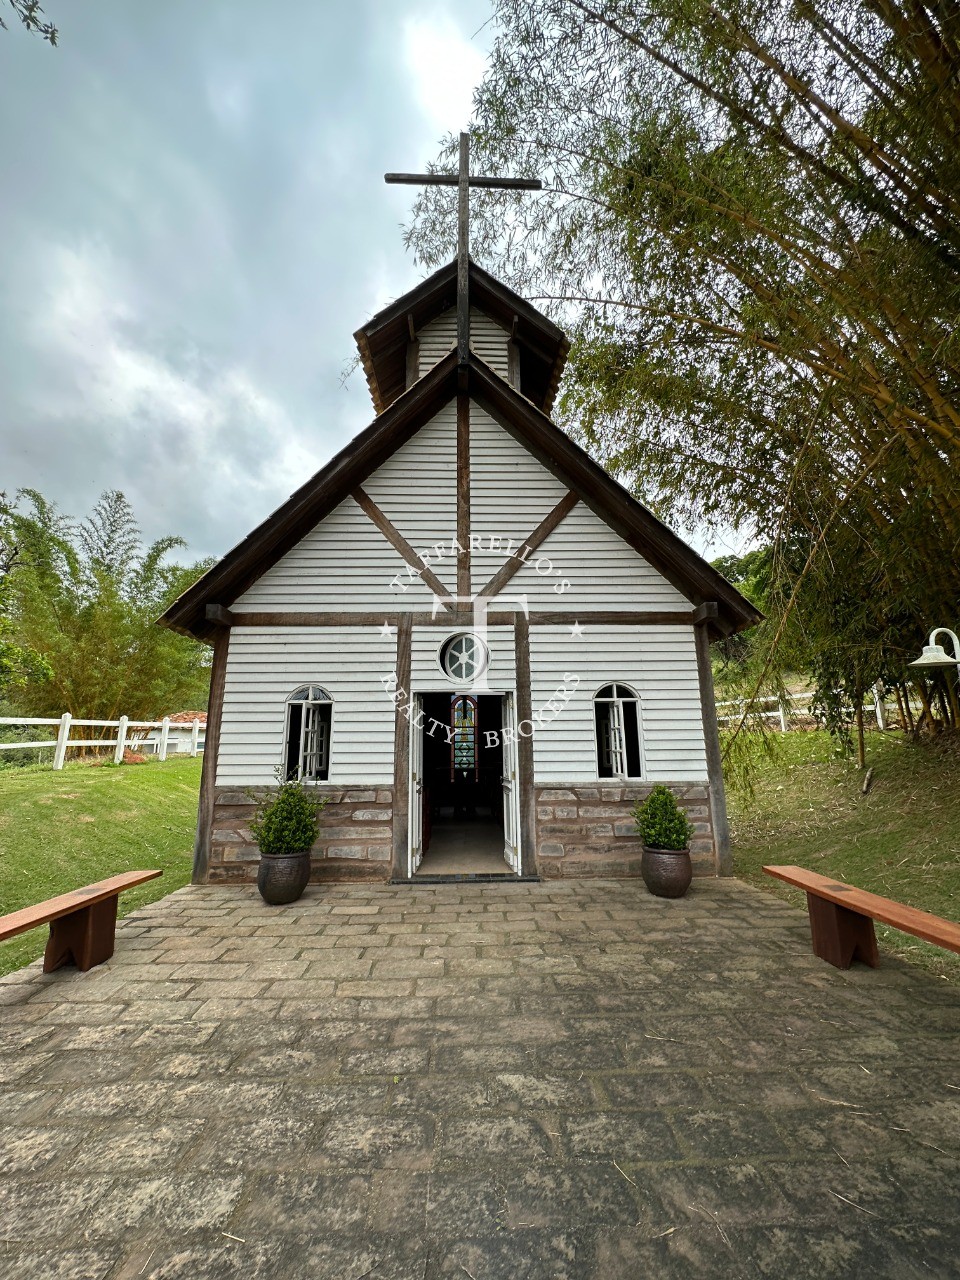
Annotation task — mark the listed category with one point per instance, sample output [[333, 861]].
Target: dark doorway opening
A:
[[462, 794]]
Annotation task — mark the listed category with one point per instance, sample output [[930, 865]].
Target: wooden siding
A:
[[345, 563], [510, 492], [660, 663], [487, 339], [426, 673], [417, 490], [265, 665], [604, 571]]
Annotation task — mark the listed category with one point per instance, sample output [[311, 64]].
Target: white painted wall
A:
[[265, 665], [660, 663], [487, 339], [510, 492], [604, 571], [426, 674], [417, 489], [345, 563]]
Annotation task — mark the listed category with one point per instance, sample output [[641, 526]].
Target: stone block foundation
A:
[[354, 842], [589, 830], [583, 830]]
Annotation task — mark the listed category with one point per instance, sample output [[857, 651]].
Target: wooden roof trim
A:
[[308, 505], [650, 537], [544, 339], [305, 508]]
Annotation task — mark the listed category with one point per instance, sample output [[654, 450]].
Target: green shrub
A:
[[288, 821], [661, 822]]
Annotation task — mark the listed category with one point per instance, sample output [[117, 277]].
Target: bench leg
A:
[[84, 938], [840, 935]]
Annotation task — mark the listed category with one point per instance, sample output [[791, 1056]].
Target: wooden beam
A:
[[413, 362], [463, 494], [711, 739], [211, 748], [463, 254], [399, 542], [401, 752], [452, 180], [613, 618], [706, 612], [515, 563], [528, 813], [273, 619], [217, 614], [457, 617]]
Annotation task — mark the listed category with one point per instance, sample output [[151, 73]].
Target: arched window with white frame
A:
[[307, 735], [617, 717]]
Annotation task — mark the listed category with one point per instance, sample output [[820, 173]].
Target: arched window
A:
[[617, 714], [307, 738], [464, 758]]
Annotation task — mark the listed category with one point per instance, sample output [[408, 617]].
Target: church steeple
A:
[[539, 347]]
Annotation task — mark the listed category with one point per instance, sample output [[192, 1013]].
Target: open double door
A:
[[423, 772]]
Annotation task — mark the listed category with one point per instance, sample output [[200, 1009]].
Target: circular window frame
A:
[[482, 648]]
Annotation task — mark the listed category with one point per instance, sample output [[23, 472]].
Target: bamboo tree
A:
[[752, 229]]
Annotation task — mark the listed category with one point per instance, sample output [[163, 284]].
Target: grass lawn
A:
[[901, 840], [60, 831]]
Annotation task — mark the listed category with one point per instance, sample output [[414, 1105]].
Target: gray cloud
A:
[[194, 223]]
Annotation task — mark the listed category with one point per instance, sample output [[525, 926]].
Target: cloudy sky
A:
[[194, 222]]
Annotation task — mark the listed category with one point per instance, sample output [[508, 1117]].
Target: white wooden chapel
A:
[[462, 631]]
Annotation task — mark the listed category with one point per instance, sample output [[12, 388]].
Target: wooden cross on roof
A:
[[463, 181]]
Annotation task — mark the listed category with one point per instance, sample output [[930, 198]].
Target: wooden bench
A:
[[82, 923], [842, 916]]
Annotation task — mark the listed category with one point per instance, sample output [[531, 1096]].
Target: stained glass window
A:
[[463, 747]]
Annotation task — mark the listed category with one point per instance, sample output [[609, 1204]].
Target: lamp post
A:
[[934, 656]]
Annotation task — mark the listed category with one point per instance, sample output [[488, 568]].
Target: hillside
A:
[[901, 840]]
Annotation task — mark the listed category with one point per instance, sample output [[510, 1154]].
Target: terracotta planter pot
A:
[[282, 877], [666, 872]]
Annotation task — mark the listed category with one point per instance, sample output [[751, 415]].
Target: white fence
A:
[[129, 734], [792, 704]]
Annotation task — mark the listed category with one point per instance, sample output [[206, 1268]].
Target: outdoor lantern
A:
[[934, 655]]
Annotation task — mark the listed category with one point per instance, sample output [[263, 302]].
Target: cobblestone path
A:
[[499, 1082]]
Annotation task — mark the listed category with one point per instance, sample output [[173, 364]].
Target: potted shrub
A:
[[665, 831], [285, 828]]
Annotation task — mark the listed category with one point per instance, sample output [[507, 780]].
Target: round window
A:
[[463, 657]]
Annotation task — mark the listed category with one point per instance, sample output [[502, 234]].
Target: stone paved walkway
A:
[[524, 1082]]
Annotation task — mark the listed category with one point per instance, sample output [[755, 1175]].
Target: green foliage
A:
[[749, 573], [63, 830], [287, 821], [661, 822], [78, 605], [751, 225], [31, 15]]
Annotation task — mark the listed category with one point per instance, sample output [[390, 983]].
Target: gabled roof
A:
[[304, 509], [383, 340]]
